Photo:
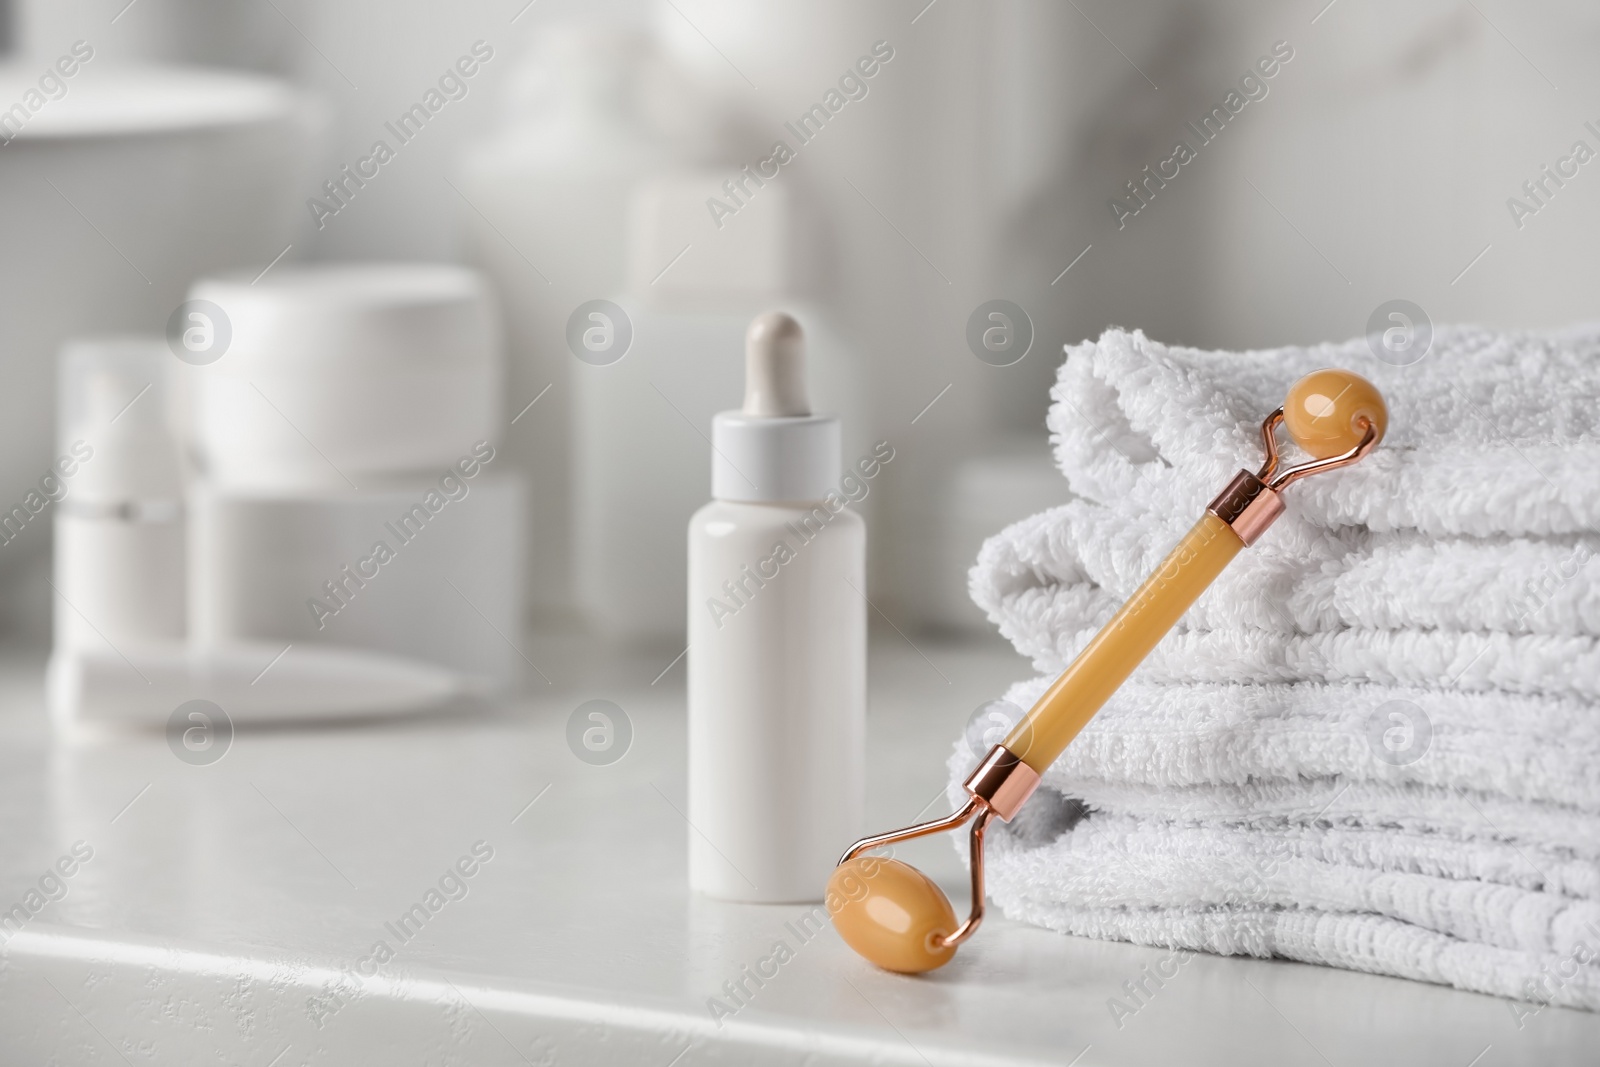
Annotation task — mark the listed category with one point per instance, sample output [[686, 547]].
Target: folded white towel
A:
[[1491, 918], [1506, 751], [1234, 797], [1513, 614], [1490, 433]]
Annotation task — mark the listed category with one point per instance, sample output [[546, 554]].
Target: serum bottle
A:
[[777, 642]]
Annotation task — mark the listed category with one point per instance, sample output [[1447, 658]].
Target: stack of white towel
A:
[[1374, 743]]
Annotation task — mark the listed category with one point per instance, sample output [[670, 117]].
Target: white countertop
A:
[[220, 899]]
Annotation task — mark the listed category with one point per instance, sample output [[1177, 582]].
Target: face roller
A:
[[895, 915]]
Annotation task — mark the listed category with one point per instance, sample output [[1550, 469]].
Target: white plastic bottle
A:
[[777, 642], [119, 530]]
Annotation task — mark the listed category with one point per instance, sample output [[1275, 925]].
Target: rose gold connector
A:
[[998, 787], [1247, 506], [1250, 503], [1002, 782]]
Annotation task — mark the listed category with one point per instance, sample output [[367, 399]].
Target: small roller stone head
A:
[[892, 914], [1328, 411]]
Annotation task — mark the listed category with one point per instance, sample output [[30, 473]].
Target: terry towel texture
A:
[[1375, 741]]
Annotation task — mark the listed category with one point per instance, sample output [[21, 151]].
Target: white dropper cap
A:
[[775, 367], [774, 449]]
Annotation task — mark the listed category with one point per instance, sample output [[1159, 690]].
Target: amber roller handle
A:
[[1337, 417], [1124, 642]]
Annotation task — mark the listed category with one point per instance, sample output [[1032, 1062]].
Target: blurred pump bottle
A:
[[546, 219]]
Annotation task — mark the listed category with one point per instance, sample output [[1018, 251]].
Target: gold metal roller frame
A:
[[892, 913]]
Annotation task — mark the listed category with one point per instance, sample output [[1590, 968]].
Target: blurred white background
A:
[[981, 164]]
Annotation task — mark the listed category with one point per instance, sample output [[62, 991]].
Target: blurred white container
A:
[[902, 182], [354, 406], [337, 373], [141, 686], [119, 528], [120, 654], [546, 217], [119, 190], [256, 36], [451, 596]]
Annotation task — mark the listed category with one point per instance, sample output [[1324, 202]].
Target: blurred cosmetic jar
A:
[[333, 413]]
